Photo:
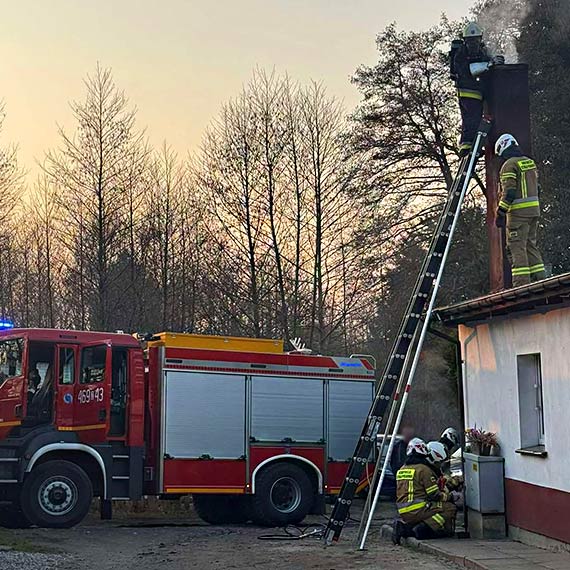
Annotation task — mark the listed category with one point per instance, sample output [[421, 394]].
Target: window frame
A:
[[23, 357], [61, 365], [536, 447], [102, 346]]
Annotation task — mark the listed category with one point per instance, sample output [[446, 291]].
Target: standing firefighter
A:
[[519, 207], [424, 510], [470, 60]]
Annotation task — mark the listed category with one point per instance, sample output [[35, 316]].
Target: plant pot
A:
[[484, 450]]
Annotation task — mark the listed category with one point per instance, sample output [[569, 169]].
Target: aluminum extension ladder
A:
[[401, 365]]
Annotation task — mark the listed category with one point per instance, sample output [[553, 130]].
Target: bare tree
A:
[[11, 189], [230, 174], [89, 171], [267, 93], [163, 223]]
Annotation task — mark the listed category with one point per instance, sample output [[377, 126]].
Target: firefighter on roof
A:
[[519, 209], [469, 61], [425, 511]]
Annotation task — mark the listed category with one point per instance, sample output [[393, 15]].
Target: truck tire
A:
[[220, 509], [56, 494], [283, 495]]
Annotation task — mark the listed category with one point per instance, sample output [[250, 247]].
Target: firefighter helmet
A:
[[450, 438], [418, 446], [503, 143], [436, 453], [472, 30]]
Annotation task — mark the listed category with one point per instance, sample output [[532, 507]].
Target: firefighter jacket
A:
[[519, 187], [467, 85], [417, 487]]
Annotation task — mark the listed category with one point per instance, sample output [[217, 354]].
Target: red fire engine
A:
[[251, 432]]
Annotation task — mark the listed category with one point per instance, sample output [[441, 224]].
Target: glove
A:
[[456, 498], [499, 60], [501, 218]]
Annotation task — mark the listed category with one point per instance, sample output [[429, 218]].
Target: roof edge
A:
[[548, 294]]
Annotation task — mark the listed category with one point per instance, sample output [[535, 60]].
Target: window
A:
[[531, 412], [93, 364], [119, 379], [11, 359], [66, 366]]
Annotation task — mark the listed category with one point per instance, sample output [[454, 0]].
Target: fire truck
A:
[[250, 431]]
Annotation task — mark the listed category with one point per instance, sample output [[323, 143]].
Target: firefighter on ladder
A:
[[425, 510], [469, 61], [519, 210]]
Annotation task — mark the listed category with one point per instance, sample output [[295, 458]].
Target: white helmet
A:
[[472, 30], [436, 452], [450, 438], [503, 143], [418, 446]]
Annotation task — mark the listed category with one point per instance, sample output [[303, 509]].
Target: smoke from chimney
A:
[[500, 20]]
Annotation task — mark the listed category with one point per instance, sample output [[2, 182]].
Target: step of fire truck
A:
[[126, 473], [398, 373], [9, 464]]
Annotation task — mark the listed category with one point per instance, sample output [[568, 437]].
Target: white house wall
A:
[[491, 392]]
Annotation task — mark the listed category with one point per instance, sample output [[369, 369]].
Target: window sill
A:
[[535, 451]]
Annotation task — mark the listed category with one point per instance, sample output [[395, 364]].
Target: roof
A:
[[71, 336], [546, 295]]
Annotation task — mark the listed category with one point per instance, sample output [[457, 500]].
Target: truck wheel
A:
[[56, 494], [283, 495], [220, 509]]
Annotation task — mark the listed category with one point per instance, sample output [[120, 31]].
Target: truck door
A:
[[66, 372], [93, 391]]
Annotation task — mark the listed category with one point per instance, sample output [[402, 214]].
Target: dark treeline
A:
[[296, 217]]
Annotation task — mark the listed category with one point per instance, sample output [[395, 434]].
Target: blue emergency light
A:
[[5, 324]]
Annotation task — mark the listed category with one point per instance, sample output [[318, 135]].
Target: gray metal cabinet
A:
[[204, 415], [287, 409], [349, 403]]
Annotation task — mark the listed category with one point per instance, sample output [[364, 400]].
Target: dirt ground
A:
[[175, 543]]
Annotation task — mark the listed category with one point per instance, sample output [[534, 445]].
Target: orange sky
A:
[[179, 60]]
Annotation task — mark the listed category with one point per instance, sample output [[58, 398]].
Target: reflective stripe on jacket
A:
[[416, 487], [519, 187]]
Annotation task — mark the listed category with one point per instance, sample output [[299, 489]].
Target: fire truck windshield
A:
[[10, 359]]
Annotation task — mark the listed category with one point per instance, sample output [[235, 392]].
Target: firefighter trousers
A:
[[524, 255], [440, 517], [471, 107]]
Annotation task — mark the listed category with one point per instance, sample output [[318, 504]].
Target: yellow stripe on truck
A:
[[82, 428]]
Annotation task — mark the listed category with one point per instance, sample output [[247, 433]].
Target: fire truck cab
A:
[[252, 432]]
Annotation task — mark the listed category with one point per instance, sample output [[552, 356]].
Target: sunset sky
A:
[[179, 60]]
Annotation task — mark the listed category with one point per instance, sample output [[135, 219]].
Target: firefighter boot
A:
[[423, 531], [400, 530]]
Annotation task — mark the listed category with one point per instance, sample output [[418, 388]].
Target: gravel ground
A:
[[177, 544], [30, 561]]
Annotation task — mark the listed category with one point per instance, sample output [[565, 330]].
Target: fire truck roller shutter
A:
[[287, 409], [210, 407], [349, 403]]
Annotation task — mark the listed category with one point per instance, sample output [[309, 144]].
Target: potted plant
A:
[[481, 441]]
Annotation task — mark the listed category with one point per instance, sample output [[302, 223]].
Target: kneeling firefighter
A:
[[425, 511]]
